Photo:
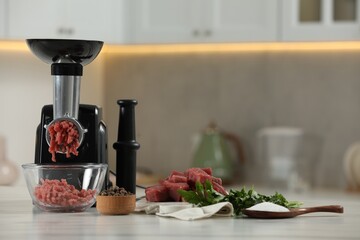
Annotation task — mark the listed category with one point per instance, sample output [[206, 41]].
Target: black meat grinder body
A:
[[93, 148]]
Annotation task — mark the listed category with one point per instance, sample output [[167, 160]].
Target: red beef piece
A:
[[220, 189], [157, 193], [177, 179], [207, 170], [177, 173], [217, 180], [197, 174], [175, 176], [168, 187], [201, 174], [173, 189]]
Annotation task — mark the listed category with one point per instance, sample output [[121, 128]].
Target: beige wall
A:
[[179, 94]]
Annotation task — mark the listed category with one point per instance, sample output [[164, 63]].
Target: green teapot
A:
[[213, 151]]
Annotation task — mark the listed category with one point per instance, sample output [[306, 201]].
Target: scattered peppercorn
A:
[[115, 191]]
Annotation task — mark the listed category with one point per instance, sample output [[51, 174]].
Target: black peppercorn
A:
[[115, 191]]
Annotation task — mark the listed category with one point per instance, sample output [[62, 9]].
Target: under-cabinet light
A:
[[209, 48], [13, 46], [232, 47]]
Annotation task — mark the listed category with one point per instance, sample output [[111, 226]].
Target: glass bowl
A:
[[64, 188]]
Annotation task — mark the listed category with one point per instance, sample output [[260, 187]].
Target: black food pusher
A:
[[126, 146]]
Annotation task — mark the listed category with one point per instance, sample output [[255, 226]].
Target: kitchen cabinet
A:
[[80, 19], [320, 20], [179, 21], [182, 21], [242, 20], [3, 18]]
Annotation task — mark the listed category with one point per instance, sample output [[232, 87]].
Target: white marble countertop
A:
[[19, 219]]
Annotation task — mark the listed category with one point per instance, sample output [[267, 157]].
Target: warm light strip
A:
[[232, 48], [209, 48], [13, 46]]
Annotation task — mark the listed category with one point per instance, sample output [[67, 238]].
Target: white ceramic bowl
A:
[[64, 188]]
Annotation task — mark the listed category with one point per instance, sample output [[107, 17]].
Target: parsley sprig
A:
[[205, 194], [246, 198]]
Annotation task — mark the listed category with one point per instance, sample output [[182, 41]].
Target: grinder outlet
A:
[[76, 123]]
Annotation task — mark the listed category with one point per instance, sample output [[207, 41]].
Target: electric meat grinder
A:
[[67, 58]]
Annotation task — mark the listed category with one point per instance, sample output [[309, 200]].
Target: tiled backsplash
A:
[[180, 94]]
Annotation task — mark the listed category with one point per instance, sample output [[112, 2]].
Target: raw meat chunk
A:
[[167, 189], [219, 188], [207, 170], [173, 189], [178, 179], [157, 193]]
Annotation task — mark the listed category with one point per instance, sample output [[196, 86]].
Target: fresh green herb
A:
[[244, 199], [240, 199], [203, 195]]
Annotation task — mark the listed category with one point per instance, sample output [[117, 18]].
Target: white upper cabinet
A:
[[185, 21], [80, 19], [3, 18], [38, 19], [93, 19], [181, 21], [320, 20], [163, 21], [240, 20]]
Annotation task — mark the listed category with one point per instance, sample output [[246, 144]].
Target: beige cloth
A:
[[185, 211], [154, 207]]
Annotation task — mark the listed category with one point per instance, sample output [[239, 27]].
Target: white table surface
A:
[[19, 219]]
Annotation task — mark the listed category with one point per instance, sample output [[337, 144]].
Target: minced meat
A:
[[55, 192], [64, 137]]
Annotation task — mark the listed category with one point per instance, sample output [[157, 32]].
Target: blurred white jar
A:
[[279, 150]]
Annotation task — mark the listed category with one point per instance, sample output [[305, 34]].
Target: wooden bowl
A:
[[116, 205]]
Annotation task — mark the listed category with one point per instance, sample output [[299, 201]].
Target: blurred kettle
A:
[[213, 151]]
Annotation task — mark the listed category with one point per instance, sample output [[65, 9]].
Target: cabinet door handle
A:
[[61, 30], [70, 31], [65, 31], [207, 33], [196, 33]]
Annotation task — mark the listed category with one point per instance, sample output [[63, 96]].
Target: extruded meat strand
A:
[[64, 137]]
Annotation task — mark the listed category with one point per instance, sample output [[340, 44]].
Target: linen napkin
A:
[[185, 211], [154, 207]]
